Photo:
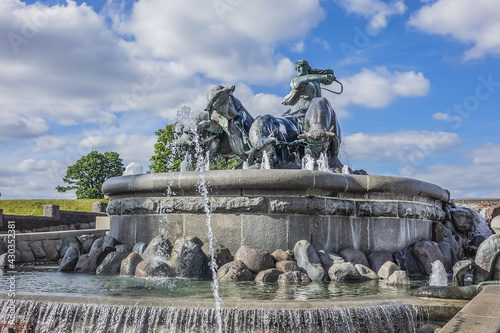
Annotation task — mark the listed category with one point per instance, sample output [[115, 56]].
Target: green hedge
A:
[[35, 207]]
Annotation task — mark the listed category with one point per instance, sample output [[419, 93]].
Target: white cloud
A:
[[398, 145], [48, 142], [487, 153], [445, 117], [377, 12], [379, 87], [470, 21], [14, 127]]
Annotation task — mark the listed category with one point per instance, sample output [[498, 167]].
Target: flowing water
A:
[[438, 277], [266, 164], [308, 162], [54, 317], [323, 163]]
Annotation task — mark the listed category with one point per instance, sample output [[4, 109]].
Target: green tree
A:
[[88, 174], [166, 157]]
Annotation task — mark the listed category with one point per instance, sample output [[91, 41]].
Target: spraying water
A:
[[323, 163], [266, 164], [202, 163], [346, 170], [245, 165], [438, 277], [308, 162]]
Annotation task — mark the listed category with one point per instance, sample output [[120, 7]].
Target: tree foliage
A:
[[166, 157], [88, 174]]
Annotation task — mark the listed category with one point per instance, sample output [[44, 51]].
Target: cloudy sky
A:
[[421, 79]]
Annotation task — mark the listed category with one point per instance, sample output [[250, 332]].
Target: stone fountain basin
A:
[[272, 209]]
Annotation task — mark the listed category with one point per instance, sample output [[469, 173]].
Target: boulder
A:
[[329, 258], [139, 248], [345, 272], [96, 245], [86, 242], [268, 275], [463, 219], [111, 264], [88, 263], [110, 241], [159, 246], [426, 252], [486, 254], [281, 255], [129, 264], [49, 247], [177, 248], [355, 256], [222, 255], [308, 259], [447, 257], [25, 252], [154, 267], [66, 244], [255, 259], [366, 272], [287, 266], [455, 244], [378, 258], [37, 249], [122, 248], [70, 259], [406, 261], [398, 279], [387, 269], [293, 277], [234, 271], [193, 262], [495, 225]]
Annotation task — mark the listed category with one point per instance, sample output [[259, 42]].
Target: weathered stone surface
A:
[[193, 262], [88, 263], [287, 266], [387, 269], [329, 258], [345, 272], [67, 243], [447, 257], [111, 264], [255, 259], [109, 241], [49, 247], [70, 259], [455, 244], [177, 248], [486, 253], [140, 269], [281, 255], [222, 255], [293, 277], [378, 258], [426, 252], [268, 275], [238, 204], [495, 224], [234, 271], [25, 252], [122, 248], [140, 206], [399, 279], [99, 207], [51, 211], [366, 272], [377, 208], [463, 218], [84, 226], [308, 259], [37, 248], [159, 246], [355, 256], [139, 248], [129, 264], [86, 242]]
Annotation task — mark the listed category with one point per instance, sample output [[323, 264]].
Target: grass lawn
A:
[[35, 207]]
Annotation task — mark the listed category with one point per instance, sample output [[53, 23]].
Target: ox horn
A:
[[330, 134]]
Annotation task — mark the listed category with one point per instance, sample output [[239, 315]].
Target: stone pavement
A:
[[480, 315]]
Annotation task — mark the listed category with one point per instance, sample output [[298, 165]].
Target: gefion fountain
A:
[[269, 209]]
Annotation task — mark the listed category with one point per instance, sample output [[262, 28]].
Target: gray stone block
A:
[[51, 211], [265, 232], [99, 207]]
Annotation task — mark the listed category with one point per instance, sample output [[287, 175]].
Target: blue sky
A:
[[421, 79]]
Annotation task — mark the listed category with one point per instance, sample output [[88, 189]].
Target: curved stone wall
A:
[[273, 209]]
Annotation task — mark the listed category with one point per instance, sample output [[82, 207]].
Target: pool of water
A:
[[46, 280]]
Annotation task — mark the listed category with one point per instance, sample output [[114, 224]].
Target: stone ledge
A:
[[34, 236]]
